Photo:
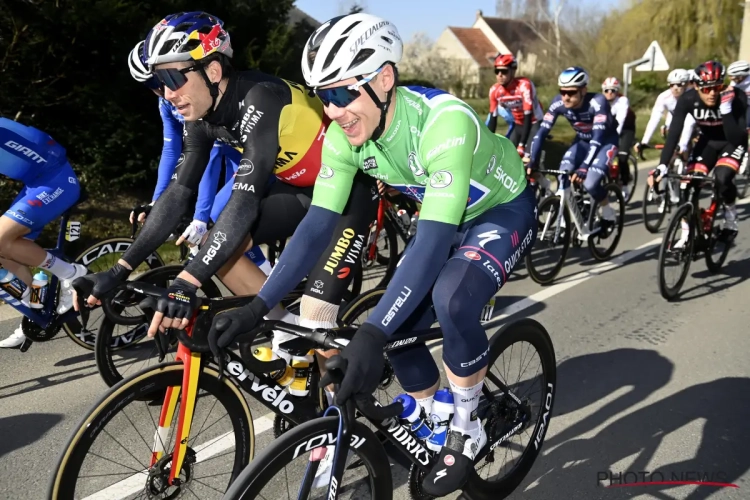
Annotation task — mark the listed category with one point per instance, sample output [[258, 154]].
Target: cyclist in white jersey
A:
[[625, 119], [677, 80], [739, 74]]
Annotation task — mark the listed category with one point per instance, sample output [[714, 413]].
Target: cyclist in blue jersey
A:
[[596, 142], [209, 204], [32, 157]]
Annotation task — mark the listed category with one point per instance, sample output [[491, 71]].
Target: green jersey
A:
[[435, 150]]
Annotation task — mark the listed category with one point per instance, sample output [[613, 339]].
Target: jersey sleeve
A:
[[171, 147], [548, 121], [681, 110], [449, 141], [337, 170], [687, 132], [493, 101], [622, 113], [655, 118], [527, 97]]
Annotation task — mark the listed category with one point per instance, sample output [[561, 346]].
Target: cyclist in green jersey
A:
[[478, 219]]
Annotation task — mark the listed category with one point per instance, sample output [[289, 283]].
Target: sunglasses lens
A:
[[503, 71], [338, 96], [172, 78]]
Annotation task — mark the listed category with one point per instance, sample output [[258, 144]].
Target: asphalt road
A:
[[643, 384]]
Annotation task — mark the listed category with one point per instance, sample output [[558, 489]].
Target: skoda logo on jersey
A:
[[326, 172], [246, 168], [441, 179], [415, 168], [491, 165]]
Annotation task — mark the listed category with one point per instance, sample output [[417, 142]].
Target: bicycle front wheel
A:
[[110, 451], [547, 256], [676, 253], [609, 232], [284, 469]]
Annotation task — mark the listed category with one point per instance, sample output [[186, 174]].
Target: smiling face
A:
[[193, 99], [359, 118]]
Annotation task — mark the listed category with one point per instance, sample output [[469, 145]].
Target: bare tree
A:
[[351, 6], [546, 21]]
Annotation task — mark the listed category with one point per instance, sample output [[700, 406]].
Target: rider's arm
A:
[[681, 110], [209, 184], [260, 148], [314, 233], [735, 123], [170, 151], [527, 97], [601, 115], [622, 113], [493, 110], [655, 118], [687, 132], [544, 129], [175, 201], [442, 209]]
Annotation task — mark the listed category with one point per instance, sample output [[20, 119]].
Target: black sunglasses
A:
[[568, 93], [677, 85], [502, 71], [344, 95], [174, 78]]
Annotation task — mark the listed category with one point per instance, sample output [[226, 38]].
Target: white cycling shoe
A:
[[16, 339], [66, 289]]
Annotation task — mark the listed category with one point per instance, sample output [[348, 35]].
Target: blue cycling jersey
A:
[[27, 153], [170, 158], [592, 121]]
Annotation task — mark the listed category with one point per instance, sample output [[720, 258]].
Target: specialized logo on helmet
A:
[[367, 34], [209, 43]]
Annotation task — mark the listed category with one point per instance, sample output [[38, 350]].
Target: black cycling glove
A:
[[227, 325], [100, 284], [364, 364], [179, 300]]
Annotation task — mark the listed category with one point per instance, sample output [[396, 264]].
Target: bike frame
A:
[[566, 195], [46, 316]]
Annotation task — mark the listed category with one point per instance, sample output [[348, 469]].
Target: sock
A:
[[426, 404], [730, 212], [58, 267], [265, 267], [329, 397], [465, 402], [311, 323]]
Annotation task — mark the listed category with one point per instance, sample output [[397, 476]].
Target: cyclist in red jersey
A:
[[518, 95]]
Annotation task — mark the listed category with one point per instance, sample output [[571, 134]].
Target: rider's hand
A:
[[663, 130], [521, 150], [96, 286], [637, 147], [142, 215], [659, 172], [364, 364], [194, 233], [579, 175], [727, 96], [227, 325], [175, 307], [381, 187]]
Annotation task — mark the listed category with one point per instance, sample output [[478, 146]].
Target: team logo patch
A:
[[472, 255], [600, 119], [369, 164], [246, 168], [449, 460], [326, 172], [441, 179]]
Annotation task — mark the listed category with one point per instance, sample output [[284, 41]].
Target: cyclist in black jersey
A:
[[279, 126], [719, 114]]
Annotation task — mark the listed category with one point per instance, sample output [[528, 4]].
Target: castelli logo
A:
[[472, 255]]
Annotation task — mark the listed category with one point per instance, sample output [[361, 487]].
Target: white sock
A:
[[58, 267], [329, 397], [465, 402], [730, 212], [426, 404], [312, 324]]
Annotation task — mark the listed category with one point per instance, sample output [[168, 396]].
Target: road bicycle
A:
[[743, 177], [361, 467], [42, 325], [617, 178], [659, 200], [200, 421], [555, 233], [705, 237]]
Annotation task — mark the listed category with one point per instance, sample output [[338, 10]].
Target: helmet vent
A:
[[332, 53], [347, 30], [363, 55]]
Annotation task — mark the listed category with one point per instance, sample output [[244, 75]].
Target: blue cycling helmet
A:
[[575, 76], [186, 36], [140, 70]]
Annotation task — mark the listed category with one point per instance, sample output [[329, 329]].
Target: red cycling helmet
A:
[[710, 74], [506, 60]]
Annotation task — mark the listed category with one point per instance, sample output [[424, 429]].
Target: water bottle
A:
[[413, 227], [12, 285], [39, 286], [441, 416], [414, 414], [301, 365]]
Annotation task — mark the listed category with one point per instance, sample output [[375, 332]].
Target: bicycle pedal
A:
[[26, 344]]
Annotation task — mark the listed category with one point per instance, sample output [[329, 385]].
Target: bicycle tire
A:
[[654, 226], [531, 331], [549, 277], [266, 466], [105, 343], [154, 380], [595, 253], [675, 224], [100, 249], [633, 176], [714, 266]]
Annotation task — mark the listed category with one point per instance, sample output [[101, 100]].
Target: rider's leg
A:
[[597, 171], [461, 290], [623, 154], [725, 172]]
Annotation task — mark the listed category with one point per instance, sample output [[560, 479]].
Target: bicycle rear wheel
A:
[[609, 233], [655, 207], [547, 256], [671, 253], [279, 471], [633, 164], [718, 245], [221, 440]]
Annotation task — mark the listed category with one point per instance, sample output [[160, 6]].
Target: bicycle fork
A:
[[186, 395]]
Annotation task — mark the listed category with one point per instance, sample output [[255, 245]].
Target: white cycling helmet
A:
[[739, 68], [678, 76], [347, 46], [575, 76], [138, 68], [611, 83]]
